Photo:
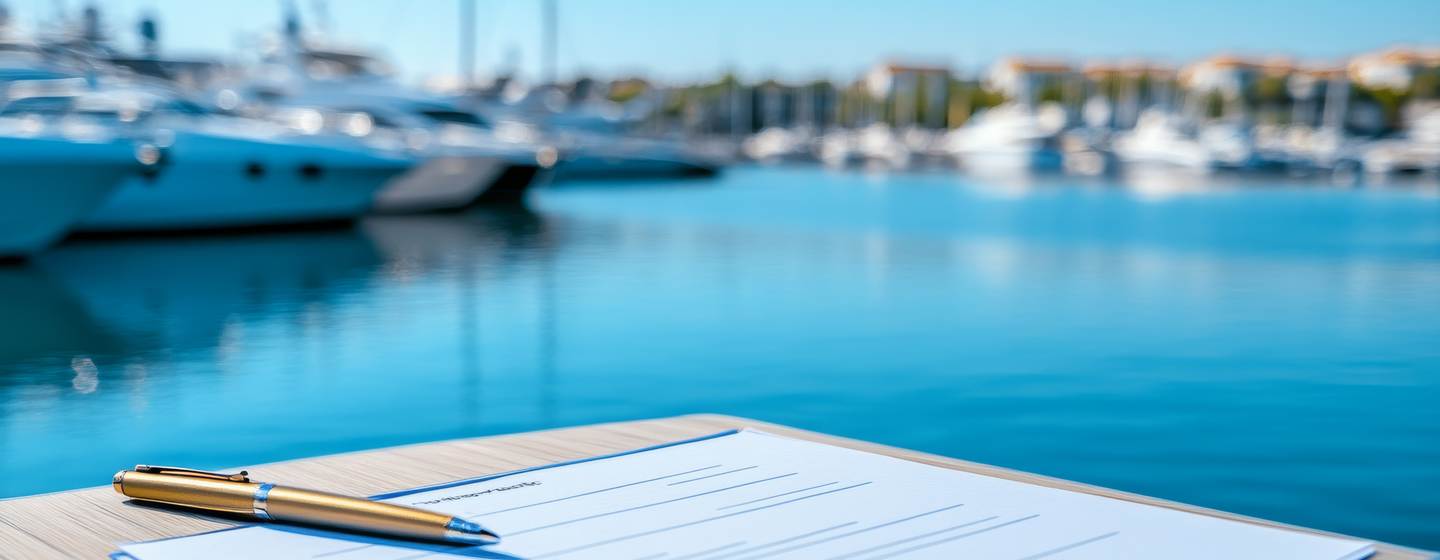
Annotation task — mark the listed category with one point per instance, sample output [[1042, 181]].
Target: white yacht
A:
[[337, 96], [466, 161], [1159, 138], [1417, 151], [50, 182], [776, 145], [872, 146], [51, 177], [219, 172], [1010, 137]]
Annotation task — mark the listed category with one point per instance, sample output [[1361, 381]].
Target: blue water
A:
[[1253, 346]]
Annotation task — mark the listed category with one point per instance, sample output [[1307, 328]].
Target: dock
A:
[[92, 522]]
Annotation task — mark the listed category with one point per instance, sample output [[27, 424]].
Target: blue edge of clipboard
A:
[[474, 552]]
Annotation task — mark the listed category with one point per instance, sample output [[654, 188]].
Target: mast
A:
[[150, 34], [467, 44], [549, 17]]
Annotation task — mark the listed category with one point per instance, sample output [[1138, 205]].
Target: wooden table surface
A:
[[45, 526]]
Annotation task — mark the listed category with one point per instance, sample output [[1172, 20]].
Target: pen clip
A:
[[242, 476]]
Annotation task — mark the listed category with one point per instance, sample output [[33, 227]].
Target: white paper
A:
[[756, 495]]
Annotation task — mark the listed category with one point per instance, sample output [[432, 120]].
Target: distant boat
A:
[[777, 145], [1011, 137], [1159, 138], [597, 152], [48, 184], [467, 162], [463, 165], [876, 145], [1417, 151], [615, 156], [326, 93], [1330, 149]]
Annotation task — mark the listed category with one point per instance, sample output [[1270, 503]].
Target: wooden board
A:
[[47, 526]]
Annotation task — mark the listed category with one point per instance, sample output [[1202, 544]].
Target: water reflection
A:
[[177, 294], [468, 246], [177, 337], [44, 320]]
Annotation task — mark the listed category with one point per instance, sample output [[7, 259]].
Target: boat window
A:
[[453, 116], [375, 120], [185, 107], [323, 64], [39, 105]]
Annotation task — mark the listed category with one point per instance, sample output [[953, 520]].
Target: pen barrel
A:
[[320, 508], [215, 495]]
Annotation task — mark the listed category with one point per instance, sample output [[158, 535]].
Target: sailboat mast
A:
[[550, 37], [467, 44]]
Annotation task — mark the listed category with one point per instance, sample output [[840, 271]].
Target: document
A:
[[746, 495]]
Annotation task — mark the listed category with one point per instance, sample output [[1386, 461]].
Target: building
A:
[[1115, 94], [1394, 68], [1027, 80], [915, 94], [1232, 76]]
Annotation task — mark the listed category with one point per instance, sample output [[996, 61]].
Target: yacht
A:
[[219, 172], [466, 161], [1323, 149], [336, 96], [1417, 151], [875, 146], [1159, 138], [592, 150], [1010, 137], [463, 163], [52, 182], [777, 145], [53, 177], [616, 156]]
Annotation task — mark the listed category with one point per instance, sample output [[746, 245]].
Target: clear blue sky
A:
[[684, 39]]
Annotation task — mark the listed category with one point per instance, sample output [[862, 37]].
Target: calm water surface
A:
[[1267, 349]]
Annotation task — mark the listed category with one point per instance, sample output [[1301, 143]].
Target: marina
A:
[[316, 130], [1201, 281]]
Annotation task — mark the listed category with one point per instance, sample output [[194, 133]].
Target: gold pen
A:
[[236, 493]]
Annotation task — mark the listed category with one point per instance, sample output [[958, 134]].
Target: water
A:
[[1265, 349]]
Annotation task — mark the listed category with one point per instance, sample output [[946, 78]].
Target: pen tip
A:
[[469, 532]]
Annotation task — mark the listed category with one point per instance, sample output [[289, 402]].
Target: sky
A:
[[788, 39]]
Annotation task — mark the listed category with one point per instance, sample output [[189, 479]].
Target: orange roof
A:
[[1037, 65], [1128, 69], [1321, 71], [897, 68], [1272, 64]]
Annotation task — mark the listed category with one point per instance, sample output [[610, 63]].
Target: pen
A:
[[236, 493]]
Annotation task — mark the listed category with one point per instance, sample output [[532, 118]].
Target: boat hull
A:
[[228, 183], [453, 183], [628, 166], [1019, 159], [49, 185]]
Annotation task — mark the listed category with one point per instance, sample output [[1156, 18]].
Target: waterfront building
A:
[[1394, 68], [1030, 80], [916, 94]]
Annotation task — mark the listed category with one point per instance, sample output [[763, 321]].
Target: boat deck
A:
[[90, 523]]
